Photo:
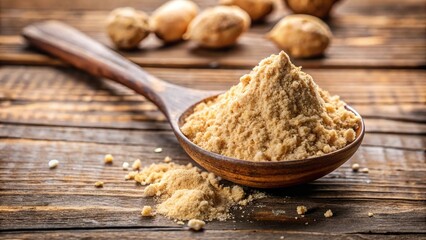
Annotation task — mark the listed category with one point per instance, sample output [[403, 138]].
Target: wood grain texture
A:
[[167, 234], [366, 34], [64, 96], [176, 103], [56, 198], [61, 113], [45, 115]]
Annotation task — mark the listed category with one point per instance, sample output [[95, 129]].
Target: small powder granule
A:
[[147, 211], [108, 159], [185, 192], [328, 213], [301, 210], [136, 164], [276, 113], [53, 163], [167, 159], [364, 170], [355, 167], [158, 150], [370, 214], [99, 184], [196, 224], [125, 165], [130, 175]]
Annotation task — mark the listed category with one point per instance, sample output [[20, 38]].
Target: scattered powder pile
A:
[[276, 113], [185, 192]]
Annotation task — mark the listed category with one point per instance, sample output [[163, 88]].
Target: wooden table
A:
[[51, 111]]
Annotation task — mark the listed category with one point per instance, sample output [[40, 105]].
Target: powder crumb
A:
[[276, 113], [355, 167], [328, 213], [147, 211], [296, 218], [126, 166], [196, 224], [364, 170], [108, 159], [99, 184], [251, 197], [136, 164], [167, 159], [278, 212], [301, 210], [154, 172], [130, 175], [158, 150], [184, 192], [370, 214], [306, 223], [53, 163], [282, 237], [180, 222]]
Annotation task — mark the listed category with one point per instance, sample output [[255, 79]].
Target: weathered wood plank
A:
[[57, 96], [21, 155], [371, 39], [152, 138], [367, 86], [56, 198], [262, 218], [153, 234]]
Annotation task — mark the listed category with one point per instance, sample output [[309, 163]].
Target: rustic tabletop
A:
[[49, 110]]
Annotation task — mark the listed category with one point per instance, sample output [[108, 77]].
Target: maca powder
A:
[[185, 192], [276, 113]]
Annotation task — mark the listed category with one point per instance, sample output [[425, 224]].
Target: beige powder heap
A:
[[276, 113], [185, 192]]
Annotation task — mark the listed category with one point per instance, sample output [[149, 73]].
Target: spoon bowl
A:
[[177, 103], [269, 174]]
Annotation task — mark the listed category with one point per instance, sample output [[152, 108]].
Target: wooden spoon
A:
[[177, 103]]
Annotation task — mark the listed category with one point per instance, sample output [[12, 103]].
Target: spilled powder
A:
[[275, 113], [184, 192]]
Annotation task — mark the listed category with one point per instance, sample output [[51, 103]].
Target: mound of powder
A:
[[185, 192], [275, 113]]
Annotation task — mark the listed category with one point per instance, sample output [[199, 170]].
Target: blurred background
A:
[[367, 34]]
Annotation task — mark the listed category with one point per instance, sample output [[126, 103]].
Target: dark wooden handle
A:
[[81, 51]]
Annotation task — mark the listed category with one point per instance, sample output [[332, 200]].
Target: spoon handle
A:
[[81, 51]]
